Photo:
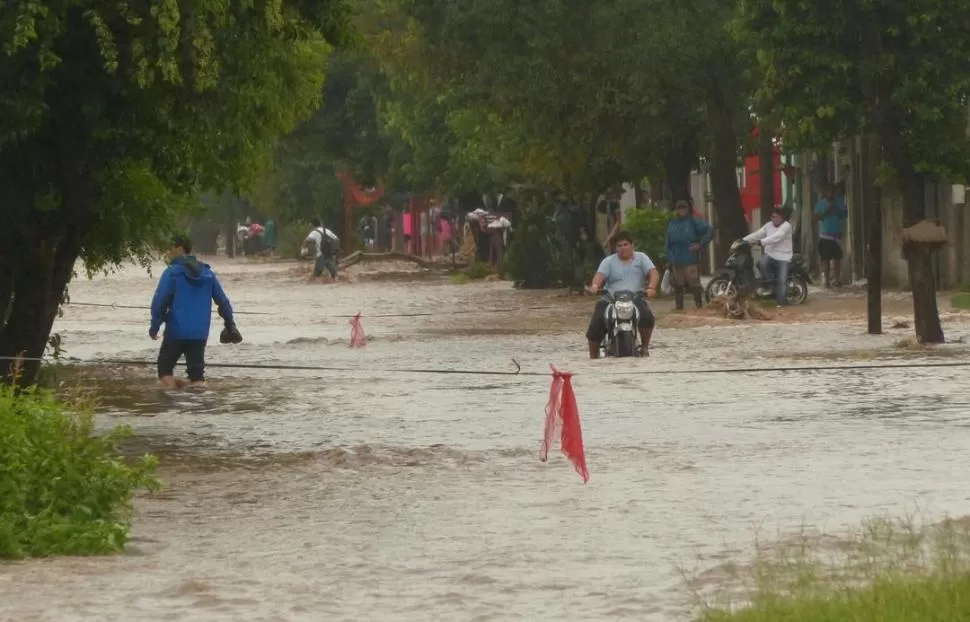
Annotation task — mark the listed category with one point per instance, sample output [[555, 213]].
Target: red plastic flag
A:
[[562, 420], [357, 337]]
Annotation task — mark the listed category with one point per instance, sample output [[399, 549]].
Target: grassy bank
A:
[[63, 490], [887, 571]]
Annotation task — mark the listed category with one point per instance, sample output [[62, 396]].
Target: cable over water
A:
[[378, 315], [518, 368]]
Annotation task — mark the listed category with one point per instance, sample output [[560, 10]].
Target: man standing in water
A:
[[686, 236], [183, 302], [326, 244], [831, 213], [625, 270]]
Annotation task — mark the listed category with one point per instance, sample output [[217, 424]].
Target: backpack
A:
[[326, 242]]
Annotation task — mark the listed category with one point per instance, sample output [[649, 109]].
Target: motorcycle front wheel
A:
[[720, 286], [624, 344], [797, 290]]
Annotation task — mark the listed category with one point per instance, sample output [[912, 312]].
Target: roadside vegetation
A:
[[888, 570], [63, 489]]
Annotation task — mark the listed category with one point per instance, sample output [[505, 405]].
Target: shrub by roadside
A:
[[888, 571], [63, 491], [474, 272]]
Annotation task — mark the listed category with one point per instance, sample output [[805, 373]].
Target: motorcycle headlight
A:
[[624, 310]]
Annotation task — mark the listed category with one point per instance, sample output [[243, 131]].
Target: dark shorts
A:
[[173, 349], [597, 323], [325, 262], [829, 250]]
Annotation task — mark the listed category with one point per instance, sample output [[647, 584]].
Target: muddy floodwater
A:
[[369, 495]]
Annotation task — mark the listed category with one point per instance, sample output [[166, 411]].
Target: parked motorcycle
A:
[[740, 270], [622, 325]]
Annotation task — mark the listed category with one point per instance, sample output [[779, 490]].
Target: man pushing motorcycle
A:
[[625, 270]]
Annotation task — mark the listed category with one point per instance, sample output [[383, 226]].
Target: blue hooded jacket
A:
[[183, 300], [681, 233]]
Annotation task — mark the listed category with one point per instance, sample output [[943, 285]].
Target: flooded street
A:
[[370, 495]]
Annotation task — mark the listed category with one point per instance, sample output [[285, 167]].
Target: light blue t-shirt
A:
[[832, 224], [628, 276]]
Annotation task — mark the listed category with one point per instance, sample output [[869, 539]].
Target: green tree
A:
[[895, 72], [579, 96], [113, 116]]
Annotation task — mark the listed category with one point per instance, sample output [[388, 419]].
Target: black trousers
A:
[[173, 349]]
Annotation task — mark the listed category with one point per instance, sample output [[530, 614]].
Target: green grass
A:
[[476, 271], [960, 301], [887, 571], [938, 599]]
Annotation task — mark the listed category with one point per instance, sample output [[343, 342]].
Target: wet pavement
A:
[[371, 495]]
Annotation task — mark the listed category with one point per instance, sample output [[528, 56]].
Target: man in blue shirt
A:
[[626, 270], [183, 302], [831, 212], [686, 236]]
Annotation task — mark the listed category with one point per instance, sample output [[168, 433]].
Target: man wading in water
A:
[[183, 302], [325, 244], [626, 270]]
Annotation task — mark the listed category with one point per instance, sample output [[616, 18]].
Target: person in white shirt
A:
[[776, 243], [325, 244]]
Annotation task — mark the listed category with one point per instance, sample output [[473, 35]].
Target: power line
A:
[[518, 369], [141, 363], [378, 315], [142, 308]]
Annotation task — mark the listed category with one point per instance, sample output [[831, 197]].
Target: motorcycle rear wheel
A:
[[720, 286], [796, 290]]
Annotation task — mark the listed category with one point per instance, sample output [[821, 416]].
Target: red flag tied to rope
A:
[[357, 337], [562, 419]]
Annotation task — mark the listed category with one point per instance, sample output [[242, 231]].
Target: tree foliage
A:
[[896, 72], [901, 71], [113, 116]]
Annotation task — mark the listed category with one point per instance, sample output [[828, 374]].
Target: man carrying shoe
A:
[[183, 302]]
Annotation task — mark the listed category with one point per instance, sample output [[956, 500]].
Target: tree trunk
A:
[[40, 278], [679, 159], [872, 194], [926, 315], [731, 223], [766, 170], [348, 226], [919, 259], [6, 293]]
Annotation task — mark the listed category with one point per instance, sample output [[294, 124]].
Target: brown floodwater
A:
[[367, 495]]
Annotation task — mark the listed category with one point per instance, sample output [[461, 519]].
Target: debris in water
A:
[[357, 337]]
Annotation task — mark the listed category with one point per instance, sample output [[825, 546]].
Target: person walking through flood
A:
[[325, 244], [183, 302], [686, 236]]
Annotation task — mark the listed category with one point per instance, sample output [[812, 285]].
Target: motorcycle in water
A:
[[622, 325], [740, 271]]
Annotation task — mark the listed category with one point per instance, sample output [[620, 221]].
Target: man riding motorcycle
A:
[[625, 270]]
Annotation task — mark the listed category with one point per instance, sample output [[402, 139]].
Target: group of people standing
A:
[[685, 237], [687, 234]]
